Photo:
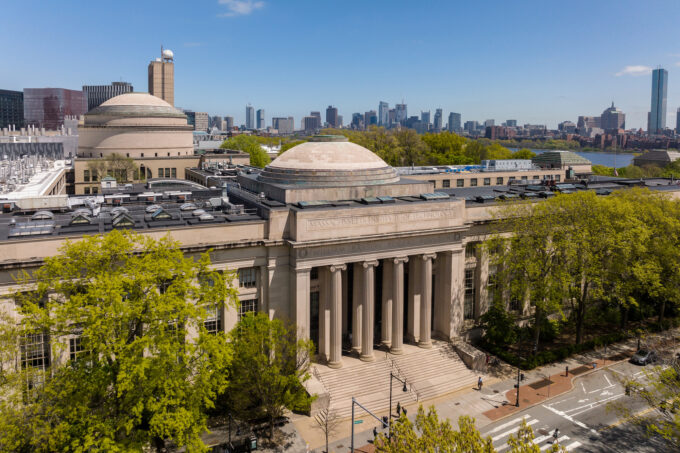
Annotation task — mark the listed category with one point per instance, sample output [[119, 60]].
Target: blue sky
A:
[[534, 61]]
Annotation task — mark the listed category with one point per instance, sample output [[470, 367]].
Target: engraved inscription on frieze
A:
[[382, 219]]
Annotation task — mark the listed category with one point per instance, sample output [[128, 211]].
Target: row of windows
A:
[[162, 173], [473, 182]]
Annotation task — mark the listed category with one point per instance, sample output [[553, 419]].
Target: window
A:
[[173, 172], [524, 178], [469, 303], [499, 181], [247, 278], [487, 181], [35, 351], [167, 172], [446, 183], [75, 347], [213, 320], [247, 306], [473, 182], [86, 176], [314, 273], [470, 249], [515, 304], [460, 183], [95, 190], [87, 191], [511, 178], [557, 178]]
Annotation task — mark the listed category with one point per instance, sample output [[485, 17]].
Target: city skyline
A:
[[497, 71]]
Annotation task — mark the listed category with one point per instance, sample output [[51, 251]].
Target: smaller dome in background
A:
[[168, 54]]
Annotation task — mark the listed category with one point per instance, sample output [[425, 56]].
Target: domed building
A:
[[141, 127], [327, 168], [135, 125]]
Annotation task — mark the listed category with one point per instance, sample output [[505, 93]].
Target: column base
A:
[[367, 358], [425, 345], [336, 365], [399, 351]]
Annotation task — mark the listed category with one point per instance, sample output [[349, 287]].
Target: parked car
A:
[[643, 357]]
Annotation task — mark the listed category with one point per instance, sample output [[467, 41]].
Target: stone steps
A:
[[428, 372]]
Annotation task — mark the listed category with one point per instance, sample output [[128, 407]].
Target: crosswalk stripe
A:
[[538, 440], [505, 425], [573, 445], [559, 441], [512, 431]]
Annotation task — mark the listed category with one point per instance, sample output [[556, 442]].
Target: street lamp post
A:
[[517, 401], [383, 420], [405, 389]]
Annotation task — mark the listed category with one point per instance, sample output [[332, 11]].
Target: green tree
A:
[[268, 369], [660, 388], [117, 166], [146, 370], [414, 149], [251, 145], [523, 153], [430, 434], [499, 325]]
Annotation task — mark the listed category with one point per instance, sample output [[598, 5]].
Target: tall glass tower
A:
[[657, 115]]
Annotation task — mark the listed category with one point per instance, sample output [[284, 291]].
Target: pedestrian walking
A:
[[479, 383], [556, 434]]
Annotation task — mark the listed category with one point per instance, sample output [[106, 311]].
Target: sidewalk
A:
[[495, 401]]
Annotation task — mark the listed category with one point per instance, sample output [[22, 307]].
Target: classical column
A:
[[368, 310], [324, 313], [481, 280], [263, 281], [345, 299], [398, 305], [413, 326], [387, 303], [357, 304], [299, 291], [335, 360], [425, 340]]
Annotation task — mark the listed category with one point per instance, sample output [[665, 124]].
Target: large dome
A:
[[133, 105], [328, 161], [135, 125]]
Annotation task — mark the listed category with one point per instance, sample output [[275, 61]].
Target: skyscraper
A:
[[438, 120], [489, 123], [11, 108], [677, 122], [383, 114], [400, 113], [613, 119], [454, 122], [250, 117], [98, 94], [229, 120], [511, 123], [425, 118], [283, 125], [332, 116], [261, 124], [370, 118], [657, 115], [162, 77]]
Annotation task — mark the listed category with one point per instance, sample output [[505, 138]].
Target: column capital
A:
[[428, 256], [401, 259], [368, 264], [337, 267]]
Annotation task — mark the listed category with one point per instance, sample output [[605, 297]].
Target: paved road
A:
[[584, 416]]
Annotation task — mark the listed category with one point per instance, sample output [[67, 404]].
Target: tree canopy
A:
[[122, 318], [431, 434], [269, 366], [576, 254], [251, 145]]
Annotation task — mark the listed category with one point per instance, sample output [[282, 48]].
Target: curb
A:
[[571, 387]]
